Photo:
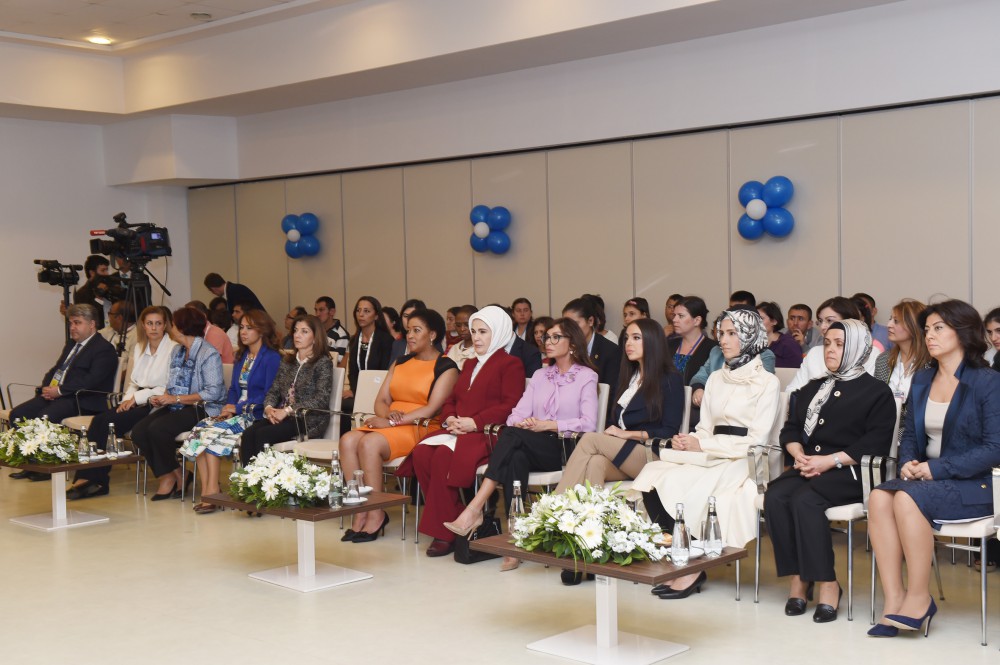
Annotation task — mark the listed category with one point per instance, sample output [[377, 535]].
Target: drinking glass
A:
[[352, 495]]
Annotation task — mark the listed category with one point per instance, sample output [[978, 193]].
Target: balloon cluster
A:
[[300, 234], [488, 229], [765, 211]]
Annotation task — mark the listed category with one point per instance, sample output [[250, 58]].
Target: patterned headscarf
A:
[[857, 348], [751, 331]]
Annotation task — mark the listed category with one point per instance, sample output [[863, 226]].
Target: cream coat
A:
[[745, 397]]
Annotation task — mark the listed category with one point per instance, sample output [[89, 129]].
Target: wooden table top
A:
[[645, 572], [375, 501], [75, 466]]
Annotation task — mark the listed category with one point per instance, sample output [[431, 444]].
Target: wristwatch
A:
[[836, 460]]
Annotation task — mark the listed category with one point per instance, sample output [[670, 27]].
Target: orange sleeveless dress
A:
[[409, 389]]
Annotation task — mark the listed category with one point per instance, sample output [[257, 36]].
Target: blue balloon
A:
[[778, 222], [308, 223], [498, 242], [289, 222], [751, 229], [309, 245], [479, 214], [498, 219], [778, 191], [478, 244], [750, 190], [293, 249]]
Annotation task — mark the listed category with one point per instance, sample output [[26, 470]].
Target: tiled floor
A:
[[159, 584]]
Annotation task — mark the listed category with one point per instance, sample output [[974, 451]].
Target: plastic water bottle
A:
[[111, 447], [336, 482], [713, 531], [516, 509], [680, 546]]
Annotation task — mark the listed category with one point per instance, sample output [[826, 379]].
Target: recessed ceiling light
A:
[[201, 16], [97, 39]]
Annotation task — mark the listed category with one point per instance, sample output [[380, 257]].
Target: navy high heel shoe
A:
[[882, 630], [909, 623]]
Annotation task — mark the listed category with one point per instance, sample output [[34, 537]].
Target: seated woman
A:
[[150, 366], [304, 381], [538, 329], [634, 308], [868, 318], [787, 352], [253, 374], [908, 354], [369, 348], [691, 347], [559, 398], [832, 423], [741, 400], [814, 364], [992, 321], [416, 387], [463, 349], [195, 376], [951, 441], [486, 392], [668, 314], [605, 355], [393, 323], [451, 336], [287, 342]]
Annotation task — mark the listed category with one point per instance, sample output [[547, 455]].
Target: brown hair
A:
[[141, 340], [577, 342], [907, 312], [319, 347], [190, 322], [262, 322]]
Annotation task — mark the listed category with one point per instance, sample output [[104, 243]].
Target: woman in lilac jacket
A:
[[561, 397]]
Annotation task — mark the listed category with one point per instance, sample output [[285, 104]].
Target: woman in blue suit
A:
[[951, 441]]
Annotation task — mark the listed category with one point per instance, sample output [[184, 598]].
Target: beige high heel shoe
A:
[[464, 533], [509, 563]]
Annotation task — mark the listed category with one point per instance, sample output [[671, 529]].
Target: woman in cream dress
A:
[[738, 411]]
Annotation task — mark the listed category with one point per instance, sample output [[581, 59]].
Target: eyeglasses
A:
[[555, 339]]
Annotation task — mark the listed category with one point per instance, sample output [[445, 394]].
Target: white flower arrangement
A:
[[590, 523], [273, 478], [38, 441]]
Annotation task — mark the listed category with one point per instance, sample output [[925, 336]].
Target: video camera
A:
[[55, 273], [136, 243]]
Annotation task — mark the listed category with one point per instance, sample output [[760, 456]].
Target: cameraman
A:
[[94, 268], [121, 317]]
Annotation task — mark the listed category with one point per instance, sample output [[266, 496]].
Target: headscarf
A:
[[751, 332], [857, 348], [502, 328]]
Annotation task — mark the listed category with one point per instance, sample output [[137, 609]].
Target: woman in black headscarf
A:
[[738, 411], [832, 423]]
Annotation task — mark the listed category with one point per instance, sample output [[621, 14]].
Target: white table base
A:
[[603, 644], [308, 575], [59, 518]]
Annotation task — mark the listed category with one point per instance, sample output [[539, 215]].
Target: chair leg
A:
[[416, 516], [937, 574], [737, 579], [850, 570], [874, 566], [403, 487], [756, 564], [982, 577]]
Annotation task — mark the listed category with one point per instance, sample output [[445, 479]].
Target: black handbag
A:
[[465, 554]]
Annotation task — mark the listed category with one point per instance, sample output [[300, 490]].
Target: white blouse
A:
[[149, 371], [934, 426]]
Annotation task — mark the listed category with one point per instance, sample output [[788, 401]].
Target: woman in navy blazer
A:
[[951, 441], [257, 364]]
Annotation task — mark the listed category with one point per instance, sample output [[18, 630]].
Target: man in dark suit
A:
[[232, 292], [95, 267], [87, 362]]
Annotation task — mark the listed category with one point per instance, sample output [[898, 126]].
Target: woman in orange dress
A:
[[415, 387]]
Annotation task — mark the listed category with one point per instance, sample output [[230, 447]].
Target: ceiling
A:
[[132, 23]]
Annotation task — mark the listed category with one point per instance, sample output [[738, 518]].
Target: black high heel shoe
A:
[[826, 613], [174, 493], [675, 594], [367, 537], [349, 535]]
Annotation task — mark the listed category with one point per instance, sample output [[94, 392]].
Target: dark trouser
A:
[[98, 433], [261, 433], [154, 437], [346, 422], [795, 513], [520, 451], [656, 512], [56, 410]]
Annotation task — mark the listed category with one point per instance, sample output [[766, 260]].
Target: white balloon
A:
[[481, 230], [294, 235], [756, 209]]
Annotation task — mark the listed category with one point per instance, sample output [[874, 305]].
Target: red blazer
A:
[[490, 399]]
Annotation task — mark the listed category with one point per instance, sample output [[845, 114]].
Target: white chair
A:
[[852, 512], [785, 375], [686, 417]]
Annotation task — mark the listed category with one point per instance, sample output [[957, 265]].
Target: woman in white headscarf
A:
[[737, 411], [487, 391], [832, 423]]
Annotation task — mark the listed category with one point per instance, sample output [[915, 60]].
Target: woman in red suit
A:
[[487, 391]]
